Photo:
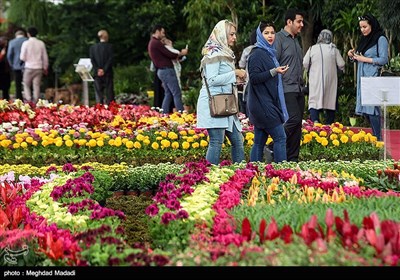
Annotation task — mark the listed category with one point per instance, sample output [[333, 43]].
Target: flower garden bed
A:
[[333, 208]]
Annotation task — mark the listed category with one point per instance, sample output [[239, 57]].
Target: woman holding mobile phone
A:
[[266, 105]]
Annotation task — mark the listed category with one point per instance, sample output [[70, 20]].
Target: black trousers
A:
[[18, 84], [104, 89], [295, 103]]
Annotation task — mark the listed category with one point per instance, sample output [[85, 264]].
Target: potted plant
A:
[[189, 98]]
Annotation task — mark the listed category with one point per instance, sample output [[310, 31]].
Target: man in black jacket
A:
[[101, 55]]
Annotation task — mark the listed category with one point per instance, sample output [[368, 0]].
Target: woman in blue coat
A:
[[265, 101], [218, 67], [371, 55]]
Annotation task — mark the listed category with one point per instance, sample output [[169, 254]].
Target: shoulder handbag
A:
[[222, 104]]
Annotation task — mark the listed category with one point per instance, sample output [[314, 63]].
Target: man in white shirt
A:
[[34, 54]]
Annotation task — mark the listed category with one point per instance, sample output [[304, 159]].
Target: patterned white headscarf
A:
[[216, 48]]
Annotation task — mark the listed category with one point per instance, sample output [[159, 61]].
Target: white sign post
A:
[[381, 91], [83, 69]]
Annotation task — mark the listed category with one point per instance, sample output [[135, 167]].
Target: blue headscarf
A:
[[263, 44]]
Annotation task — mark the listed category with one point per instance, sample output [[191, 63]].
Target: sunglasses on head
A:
[[363, 18]]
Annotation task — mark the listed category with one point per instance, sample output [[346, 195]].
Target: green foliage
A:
[[134, 79], [295, 215], [135, 224], [173, 236], [148, 177], [103, 182]]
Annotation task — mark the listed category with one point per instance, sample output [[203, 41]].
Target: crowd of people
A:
[[269, 76]]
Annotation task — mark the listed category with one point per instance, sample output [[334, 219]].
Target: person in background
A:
[[371, 55], [5, 77], [218, 67], [176, 62], [266, 101], [162, 60], [323, 60], [289, 52], [242, 92], [34, 55], [13, 56], [102, 56]]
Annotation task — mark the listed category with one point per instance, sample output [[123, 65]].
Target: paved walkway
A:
[[392, 142]]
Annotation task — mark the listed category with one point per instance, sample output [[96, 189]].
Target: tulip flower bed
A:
[[242, 214], [335, 207]]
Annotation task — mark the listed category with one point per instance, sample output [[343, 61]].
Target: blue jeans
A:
[[260, 138], [217, 137], [172, 91], [376, 125]]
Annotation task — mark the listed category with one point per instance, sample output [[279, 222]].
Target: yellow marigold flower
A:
[[333, 136], [29, 139], [337, 130], [269, 140], [5, 143], [140, 137], [124, 140], [165, 143], [163, 133], [323, 133], [66, 137], [118, 142], [250, 143], [195, 145], [159, 138], [155, 145], [100, 143], [146, 141], [95, 135], [355, 138], [172, 135], [35, 143], [76, 141], [313, 134], [45, 143], [379, 144], [336, 143], [129, 144], [82, 142], [82, 130], [69, 143], [203, 143], [59, 143], [2, 137], [24, 145], [201, 135], [16, 145], [190, 139], [175, 145], [128, 131], [249, 136], [192, 132], [344, 139], [92, 143], [183, 132], [324, 142], [19, 139], [185, 145], [307, 138], [137, 145]]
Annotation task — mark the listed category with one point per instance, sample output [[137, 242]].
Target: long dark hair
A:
[[366, 42]]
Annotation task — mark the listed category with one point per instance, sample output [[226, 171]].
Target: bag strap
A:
[[208, 90]]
